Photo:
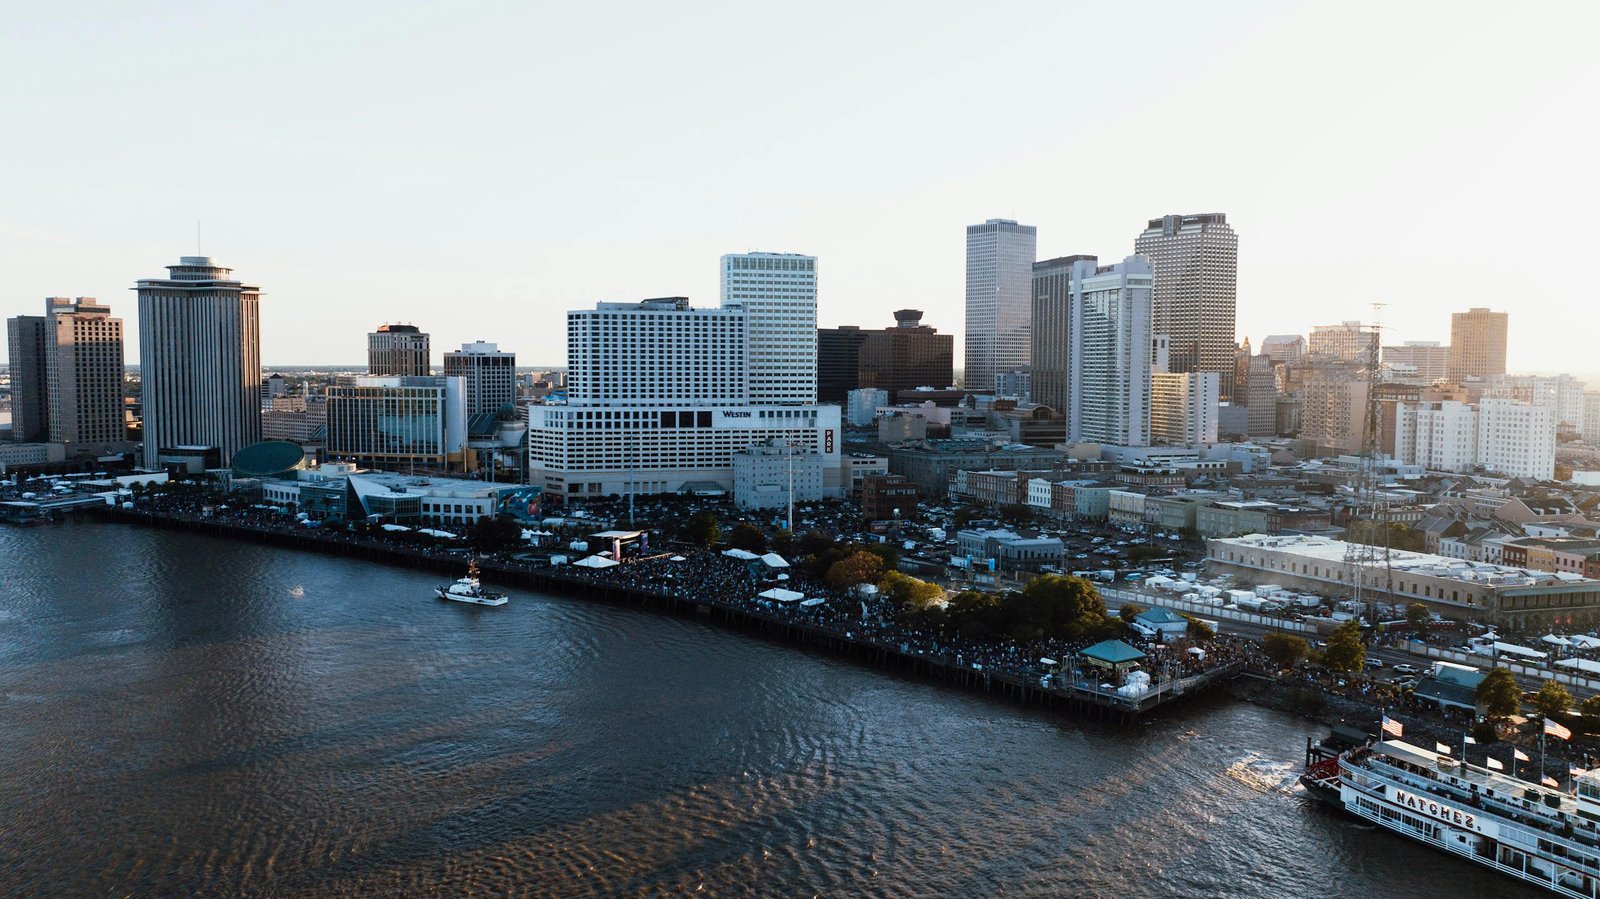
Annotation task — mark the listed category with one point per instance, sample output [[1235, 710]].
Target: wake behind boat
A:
[[470, 589]]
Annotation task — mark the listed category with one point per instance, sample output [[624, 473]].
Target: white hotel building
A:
[[660, 400], [779, 291]]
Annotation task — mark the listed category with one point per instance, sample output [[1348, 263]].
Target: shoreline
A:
[[754, 621]]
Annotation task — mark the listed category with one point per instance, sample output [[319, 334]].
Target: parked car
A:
[[1403, 668]]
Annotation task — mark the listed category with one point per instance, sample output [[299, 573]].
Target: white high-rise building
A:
[[1000, 255], [1439, 436], [1517, 439], [1109, 353], [659, 401], [490, 375], [778, 291], [199, 360], [1591, 418], [1183, 407]]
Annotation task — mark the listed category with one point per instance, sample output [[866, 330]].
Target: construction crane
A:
[[1367, 503]]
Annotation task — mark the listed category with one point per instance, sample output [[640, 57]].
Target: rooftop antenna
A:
[[197, 250], [1366, 503]]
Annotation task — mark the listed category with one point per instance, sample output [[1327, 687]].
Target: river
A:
[[186, 715]]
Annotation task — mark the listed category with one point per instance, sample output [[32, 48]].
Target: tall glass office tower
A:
[[1000, 256]]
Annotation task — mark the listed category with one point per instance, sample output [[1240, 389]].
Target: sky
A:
[[479, 168]]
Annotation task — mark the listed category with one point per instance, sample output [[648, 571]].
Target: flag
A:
[[1496, 765], [1549, 781], [1469, 741], [1441, 748], [1519, 755], [1555, 729], [1391, 726]]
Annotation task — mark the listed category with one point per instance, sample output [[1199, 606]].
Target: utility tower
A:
[[1364, 559]]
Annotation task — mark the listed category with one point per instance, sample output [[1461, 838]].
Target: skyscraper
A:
[[1051, 328], [1195, 258], [778, 291], [1422, 360], [1000, 256], [398, 350], [1477, 344], [1349, 341], [85, 376], [199, 360], [28, 338], [839, 362], [491, 376]]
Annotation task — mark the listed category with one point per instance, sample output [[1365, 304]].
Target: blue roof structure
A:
[[1113, 652]]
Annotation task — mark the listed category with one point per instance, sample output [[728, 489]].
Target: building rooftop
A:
[[1405, 562]]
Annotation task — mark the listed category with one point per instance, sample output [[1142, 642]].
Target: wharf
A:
[[1028, 687]]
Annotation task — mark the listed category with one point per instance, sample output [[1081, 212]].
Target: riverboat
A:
[[470, 589], [1537, 834]]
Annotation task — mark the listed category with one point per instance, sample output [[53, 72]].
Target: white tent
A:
[[813, 601], [1584, 640], [677, 559], [1591, 667], [395, 527], [743, 555], [596, 562], [1554, 640], [431, 532], [781, 595], [774, 560]]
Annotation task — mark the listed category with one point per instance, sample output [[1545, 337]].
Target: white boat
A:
[[470, 589], [1535, 833]]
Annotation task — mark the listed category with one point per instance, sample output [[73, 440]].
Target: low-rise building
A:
[[1008, 549], [768, 476], [886, 497]]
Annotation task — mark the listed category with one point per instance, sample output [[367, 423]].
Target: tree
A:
[[1345, 651], [910, 594], [888, 552], [814, 543], [1061, 607], [1285, 649], [702, 528], [859, 567], [1371, 533], [1139, 555], [974, 614], [493, 534], [1198, 630], [1552, 699], [1498, 694], [1130, 611], [1417, 616], [1591, 707], [783, 542], [747, 536]]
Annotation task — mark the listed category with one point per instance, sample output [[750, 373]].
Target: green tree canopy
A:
[[783, 542], [1130, 611], [909, 593], [1591, 706], [494, 534], [859, 567], [1552, 699], [1417, 616], [1285, 649], [1345, 651], [701, 528], [1498, 694], [1198, 630], [1056, 605], [747, 536]]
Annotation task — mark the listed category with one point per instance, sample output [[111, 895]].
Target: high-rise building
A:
[[1051, 328], [1284, 349], [1108, 352], [1516, 439], [1261, 398], [904, 357], [85, 377], [28, 338], [489, 373], [1419, 360], [1195, 258], [1345, 342], [199, 360], [1183, 407], [1591, 418], [400, 350], [778, 291], [659, 401], [399, 421], [1477, 344], [1333, 399], [1439, 436], [1562, 393], [838, 362], [1000, 256]]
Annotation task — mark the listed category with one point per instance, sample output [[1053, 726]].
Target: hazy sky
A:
[[478, 168]]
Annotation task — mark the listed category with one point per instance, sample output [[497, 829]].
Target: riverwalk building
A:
[[402, 422], [1455, 588], [347, 492], [659, 401]]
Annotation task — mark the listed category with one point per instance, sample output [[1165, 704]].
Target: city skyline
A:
[[674, 175]]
